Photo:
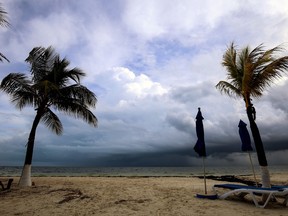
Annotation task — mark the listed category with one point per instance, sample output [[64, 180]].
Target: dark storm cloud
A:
[[181, 121]]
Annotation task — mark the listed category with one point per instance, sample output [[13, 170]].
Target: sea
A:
[[48, 171]]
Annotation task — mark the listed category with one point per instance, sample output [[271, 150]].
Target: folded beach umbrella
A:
[[200, 148], [246, 143], [245, 137], [200, 144]]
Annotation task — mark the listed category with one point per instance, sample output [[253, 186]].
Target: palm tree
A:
[[3, 22], [52, 85], [249, 73]]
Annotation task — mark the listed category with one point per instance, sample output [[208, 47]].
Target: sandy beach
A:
[[75, 196]]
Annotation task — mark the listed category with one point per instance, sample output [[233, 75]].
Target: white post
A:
[[251, 162]]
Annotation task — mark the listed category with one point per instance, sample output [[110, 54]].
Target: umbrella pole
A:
[[253, 169], [204, 171]]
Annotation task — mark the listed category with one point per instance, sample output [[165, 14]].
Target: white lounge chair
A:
[[243, 190]]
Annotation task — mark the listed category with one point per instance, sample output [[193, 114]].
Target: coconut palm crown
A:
[[249, 73], [4, 23], [51, 87]]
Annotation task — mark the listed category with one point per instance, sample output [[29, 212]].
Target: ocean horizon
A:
[[50, 171]]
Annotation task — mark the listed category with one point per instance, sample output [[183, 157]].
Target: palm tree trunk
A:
[[259, 147], [25, 179]]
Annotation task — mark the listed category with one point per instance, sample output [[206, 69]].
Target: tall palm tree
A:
[[249, 73], [4, 23], [52, 85]]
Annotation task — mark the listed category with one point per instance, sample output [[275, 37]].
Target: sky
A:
[[151, 64]]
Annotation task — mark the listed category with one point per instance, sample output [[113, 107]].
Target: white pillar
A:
[[265, 177], [25, 179]]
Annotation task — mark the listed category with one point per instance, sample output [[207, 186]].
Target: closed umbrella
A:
[[201, 151], [246, 143], [245, 137], [200, 144]]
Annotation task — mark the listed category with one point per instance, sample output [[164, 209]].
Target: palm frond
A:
[[14, 81], [227, 88], [52, 121], [81, 93], [256, 53], [61, 75], [75, 107], [23, 98], [5, 23], [41, 60], [245, 63], [229, 61], [3, 17], [19, 87], [3, 57], [270, 72], [75, 74]]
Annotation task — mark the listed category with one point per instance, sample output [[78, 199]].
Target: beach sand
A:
[[75, 196]]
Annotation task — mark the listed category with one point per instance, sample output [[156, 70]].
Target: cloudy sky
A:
[[151, 64]]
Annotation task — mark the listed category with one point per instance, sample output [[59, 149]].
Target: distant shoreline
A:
[[244, 179], [135, 171]]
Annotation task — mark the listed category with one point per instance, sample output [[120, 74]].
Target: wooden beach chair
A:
[[243, 190], [8, 185]]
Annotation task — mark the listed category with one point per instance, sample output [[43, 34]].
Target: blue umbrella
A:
[[246, 143], [201, 150], [245, 137], [200, 144]]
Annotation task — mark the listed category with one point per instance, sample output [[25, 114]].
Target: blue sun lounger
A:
[[243, 190], [279, 186]]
